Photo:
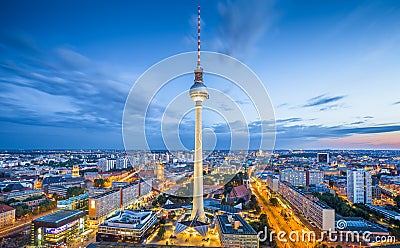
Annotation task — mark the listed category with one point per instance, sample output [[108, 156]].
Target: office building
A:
[[323, 157], [128, 225], [58, 228], [318, 213], [7, 215], [359, 186], [102, 205], [234, 231]]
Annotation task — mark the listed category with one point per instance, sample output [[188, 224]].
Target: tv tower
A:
[[198, 93]]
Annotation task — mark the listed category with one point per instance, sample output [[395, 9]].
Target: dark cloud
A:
[[58, 87], [322, 100]]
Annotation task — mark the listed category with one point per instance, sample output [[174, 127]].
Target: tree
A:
[[22, 209], [162, 221], [161, 232], [273, 201], [74, 191], [397, 200], [99, 183]]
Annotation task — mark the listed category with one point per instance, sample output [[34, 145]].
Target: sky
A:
[[331, 68]]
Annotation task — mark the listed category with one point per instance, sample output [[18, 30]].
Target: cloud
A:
[[242, 24], [282, 105], [322, 100], [318, 132], [289, 120], [58, 87], [357, 122]]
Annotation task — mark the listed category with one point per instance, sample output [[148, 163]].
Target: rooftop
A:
[[105, 194], [71, 199], [133, 219], [5, 208], [227, 225], [59, 216], [360, 225]]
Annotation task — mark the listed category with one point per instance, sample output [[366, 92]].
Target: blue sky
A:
[[330, 67]]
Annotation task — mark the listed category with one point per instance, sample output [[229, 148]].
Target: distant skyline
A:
[[330, 67]]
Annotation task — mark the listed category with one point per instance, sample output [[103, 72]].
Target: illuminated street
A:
[[276, 220]]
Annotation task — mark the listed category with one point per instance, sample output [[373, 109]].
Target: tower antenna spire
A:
[[198, 37]]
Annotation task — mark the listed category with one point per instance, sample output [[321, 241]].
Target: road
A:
[[21, 224], [277, 221]]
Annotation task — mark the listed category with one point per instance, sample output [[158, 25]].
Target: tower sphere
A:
[[198, 92]]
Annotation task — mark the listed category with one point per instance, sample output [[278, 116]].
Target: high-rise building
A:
[[106, 164], [314, 177], [323, 157], [294, 177], [359, 186], [122, 163]]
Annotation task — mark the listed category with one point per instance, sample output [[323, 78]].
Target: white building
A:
[[322, 215], [273, 183], [314, 177], [130, 225], [294, 177], [105, 164], [121, 163], [359, 186]]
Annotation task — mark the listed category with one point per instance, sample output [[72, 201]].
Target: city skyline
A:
[[330, 69]]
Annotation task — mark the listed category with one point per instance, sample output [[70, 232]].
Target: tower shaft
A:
[[198, 204]]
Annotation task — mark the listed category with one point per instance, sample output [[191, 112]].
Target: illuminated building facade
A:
[[132, 225], [55, 229]]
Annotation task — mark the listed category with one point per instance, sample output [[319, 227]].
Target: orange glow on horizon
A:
[[389, 140]]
